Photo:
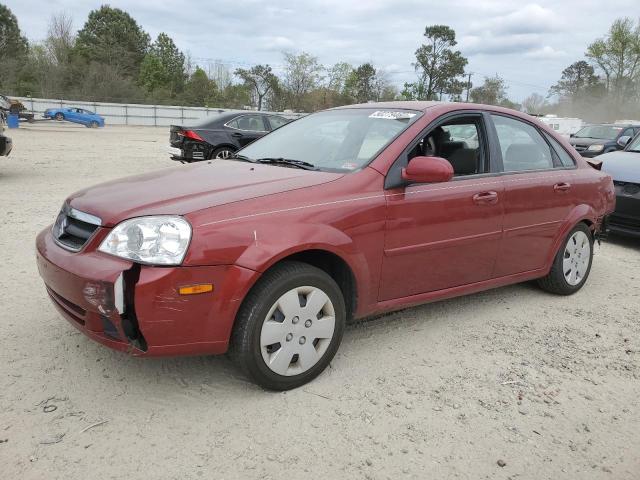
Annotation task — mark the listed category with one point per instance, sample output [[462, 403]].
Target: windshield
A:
[[335, 140], [608, 132], [634, 146]]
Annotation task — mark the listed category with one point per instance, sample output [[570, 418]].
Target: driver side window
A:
[[459, 141]]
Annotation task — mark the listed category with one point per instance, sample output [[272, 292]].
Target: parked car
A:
[[75, 115], [220, 136], [594, 140], [5, 142], [562, 125], [624, 167], [342, 214]]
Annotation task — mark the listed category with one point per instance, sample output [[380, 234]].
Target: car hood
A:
[[587, 141], [189, 188], [622, 166]]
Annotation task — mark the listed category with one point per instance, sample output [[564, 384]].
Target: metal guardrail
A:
[[135, 114]]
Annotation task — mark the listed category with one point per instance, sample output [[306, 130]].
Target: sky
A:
[[526, 43]]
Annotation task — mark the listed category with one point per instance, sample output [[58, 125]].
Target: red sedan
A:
[[344, 213]]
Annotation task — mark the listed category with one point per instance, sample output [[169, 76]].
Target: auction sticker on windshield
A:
[[392, 115]]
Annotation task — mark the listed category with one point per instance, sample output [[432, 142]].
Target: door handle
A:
[[236, 134], [562, 187], [485, 198]]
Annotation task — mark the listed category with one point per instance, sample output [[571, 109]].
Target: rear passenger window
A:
[[277, 122], [565, 159], [522, 146], [249, 123]]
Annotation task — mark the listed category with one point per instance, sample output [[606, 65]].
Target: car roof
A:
[[421, 105], [401, 105], [619, 125], [224, 117]]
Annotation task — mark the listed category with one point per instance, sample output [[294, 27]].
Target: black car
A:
[[624, 167], [220, 136], [5, 142], [594, 140]]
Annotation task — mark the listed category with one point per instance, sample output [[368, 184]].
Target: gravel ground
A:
[[509, 383]]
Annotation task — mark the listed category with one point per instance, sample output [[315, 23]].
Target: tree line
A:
[[111, 58]]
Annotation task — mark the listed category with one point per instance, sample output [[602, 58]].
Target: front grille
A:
[[74, 228], [580, 148]]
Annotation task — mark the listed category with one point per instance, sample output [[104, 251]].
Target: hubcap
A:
[[577, 254], [290, 346], [224, 154]]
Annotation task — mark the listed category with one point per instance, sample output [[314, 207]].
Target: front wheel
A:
[[572, 264], [59, 116], [94, 124], [289, 326]]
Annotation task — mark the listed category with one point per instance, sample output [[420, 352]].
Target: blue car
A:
[[76, 115]]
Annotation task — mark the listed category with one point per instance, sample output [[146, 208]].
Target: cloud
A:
[[546, 53], [522, 30], [277, 43], [530, 18], [487, 44]]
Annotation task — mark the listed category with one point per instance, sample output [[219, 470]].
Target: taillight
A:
[[190, 134]]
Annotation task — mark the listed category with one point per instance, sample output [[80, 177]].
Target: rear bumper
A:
[[137, 309], [176, 154]]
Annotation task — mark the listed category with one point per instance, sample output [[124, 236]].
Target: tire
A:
[[572, 264], [222, 153], [59, 116], [281, 351], [94, 124]]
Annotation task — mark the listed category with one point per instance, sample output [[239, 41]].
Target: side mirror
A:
[[595, 163], [572, 135], [624, 140], [427, 170]]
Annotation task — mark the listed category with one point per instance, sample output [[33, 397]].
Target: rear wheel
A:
[[572, 264], [59, 116], [289, 326], [223, 152]]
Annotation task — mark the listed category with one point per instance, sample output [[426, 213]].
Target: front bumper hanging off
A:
[[138, 309]]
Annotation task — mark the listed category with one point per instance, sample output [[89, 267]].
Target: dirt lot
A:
[[548, 385]]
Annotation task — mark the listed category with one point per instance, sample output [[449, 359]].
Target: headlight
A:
[[161, 240], [596, 148]]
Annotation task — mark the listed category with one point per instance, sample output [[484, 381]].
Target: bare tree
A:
[[534, 103], [60, 37]]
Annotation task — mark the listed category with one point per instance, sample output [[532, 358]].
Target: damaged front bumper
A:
[[137, 309]]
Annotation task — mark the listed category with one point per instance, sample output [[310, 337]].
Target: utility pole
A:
[[469, 86]]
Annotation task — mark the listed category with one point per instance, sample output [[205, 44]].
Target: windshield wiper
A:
[[242, 158], [288, 162]]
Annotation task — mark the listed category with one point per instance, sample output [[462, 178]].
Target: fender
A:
[[580, 213], [263, 253]]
